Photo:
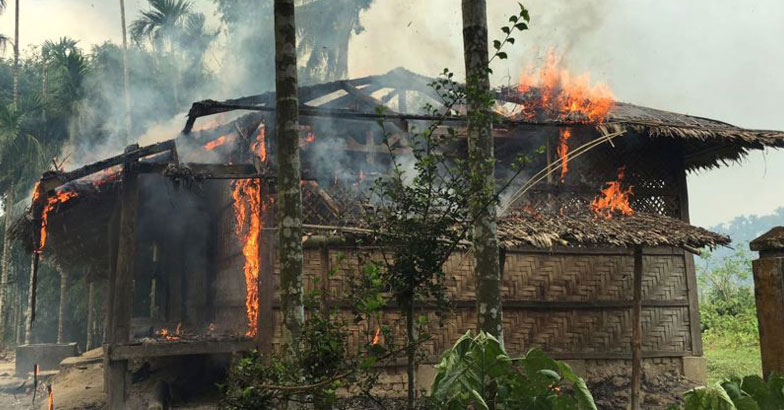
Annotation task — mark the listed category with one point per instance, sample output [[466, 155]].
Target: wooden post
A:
[[31, 298], [113, 232], [769, 295], [18, 320], [62, 311], [154, 284], [637, 330], [123, 287], [265, 323], [325, 272], [90, 315], [691, 272]]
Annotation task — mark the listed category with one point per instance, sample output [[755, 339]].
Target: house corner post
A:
[[769, 294]]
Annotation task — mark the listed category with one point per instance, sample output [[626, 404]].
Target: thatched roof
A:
[[529, 227], [707, 143]]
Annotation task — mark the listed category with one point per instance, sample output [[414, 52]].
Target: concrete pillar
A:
[[769, 293]]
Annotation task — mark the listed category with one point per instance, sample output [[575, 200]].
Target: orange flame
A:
[[105, 176], [60, 197], [309, 138], [164, 333], [556, 92], [247, 207], [613, 199], [259, 146], [215, 143], [376, 337], [50, 403], [563, 151]]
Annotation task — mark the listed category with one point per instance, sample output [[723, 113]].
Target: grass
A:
[[726, 358]]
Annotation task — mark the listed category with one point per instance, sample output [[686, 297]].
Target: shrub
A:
[[748, 393], [478, 373]]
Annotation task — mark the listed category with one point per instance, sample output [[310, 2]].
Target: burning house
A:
[[597, 247]]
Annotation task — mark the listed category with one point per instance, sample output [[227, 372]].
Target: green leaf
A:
[[479, 401], [506, 30], [524, 13], [497, 44], [502, 55], [514, 19], [511, 40], [584, 398], [521, 26]]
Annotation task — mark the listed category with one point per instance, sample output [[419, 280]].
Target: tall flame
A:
[[613, 199], [563, 151], [247, 214], [60, 197], [376, 337], [259, 145], [555, 92], [50, 402]]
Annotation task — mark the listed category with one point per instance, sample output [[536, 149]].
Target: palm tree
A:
[[481, 159], [162, 25], [16, 52], [289, 173], [69, 67], [20, 157], [3, 38], [325, 40]]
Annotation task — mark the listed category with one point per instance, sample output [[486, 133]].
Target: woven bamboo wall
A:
[[575, 304]]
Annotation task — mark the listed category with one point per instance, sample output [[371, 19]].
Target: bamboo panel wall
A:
[[576, 304]]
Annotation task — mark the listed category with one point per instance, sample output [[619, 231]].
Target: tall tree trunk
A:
[[482, 160], [289, 189], [44, 86], [63, 305], [410, 354], [126, 92], [16, 54], [5, 264]]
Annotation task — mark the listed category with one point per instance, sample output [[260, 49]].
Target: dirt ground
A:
[[81, 387]]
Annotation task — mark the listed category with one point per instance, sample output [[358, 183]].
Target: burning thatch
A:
[[528, 227]]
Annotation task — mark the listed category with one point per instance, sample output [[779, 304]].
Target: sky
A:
[[720, 59]]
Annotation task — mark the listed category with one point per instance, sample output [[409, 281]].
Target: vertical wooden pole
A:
[[113, 235], [62, 311], [637, 330], [88, 343], [325, 272], [154, 284], [691, 274], [265, 324], [549, 155], [18, 312], [31, 298], [123, 287]]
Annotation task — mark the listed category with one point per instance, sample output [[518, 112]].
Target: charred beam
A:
[[132, 154]]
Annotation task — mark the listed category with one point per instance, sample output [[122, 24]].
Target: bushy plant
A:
[[748, 393], [478, 373], [727, 306]]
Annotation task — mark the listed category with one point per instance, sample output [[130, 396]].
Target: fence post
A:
[[769, 293]]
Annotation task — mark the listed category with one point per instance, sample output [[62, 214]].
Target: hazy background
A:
[[712, 58]]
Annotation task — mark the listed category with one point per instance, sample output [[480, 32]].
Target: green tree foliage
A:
[[478, 373], [727, 306], [325, 362]]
